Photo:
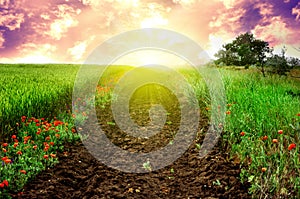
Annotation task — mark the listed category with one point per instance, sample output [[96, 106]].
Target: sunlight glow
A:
[[154, 21], [150, 57], [35, 59]]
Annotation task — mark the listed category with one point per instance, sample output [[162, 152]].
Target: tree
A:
[[245, 50], [293, 62]]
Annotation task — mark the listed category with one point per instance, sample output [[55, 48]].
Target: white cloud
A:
[[45, 49], [36, 53], [216, 40], [78, 50], [230, 3]]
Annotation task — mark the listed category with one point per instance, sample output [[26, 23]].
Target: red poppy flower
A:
[[57, 122], [13, 136], [7, 161], [263, 169], [46, 156], [37, 124], [292, 146], [228, 112], [280, 132], [36, 121], [19, 153], [16, 144], [53, 155], [73, 130], [298, 114], [23, 118], [265, 137], [51, 143], [23, 171], [275, 141], [48, 138], [57, 135], [4, 144], [46, 144], [34, 147], [4, 150], [4, 158], [1, 185], [242, 133], [5, 182]]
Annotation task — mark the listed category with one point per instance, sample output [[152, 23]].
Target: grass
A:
[[260, 108], [34, 91], [261, 129], [262, 121]]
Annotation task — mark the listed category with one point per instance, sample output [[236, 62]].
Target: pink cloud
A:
[[296, 11], [68, 30], [275, 33], [12, 21]]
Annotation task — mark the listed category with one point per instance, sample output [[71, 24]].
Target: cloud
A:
[[11, 21], [229, 4], [296, 11], [228, 20], [265, 9], [65, 20], [62, 29], [78, 50], [275, 33]]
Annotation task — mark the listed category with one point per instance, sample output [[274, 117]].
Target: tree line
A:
[[246, 50]]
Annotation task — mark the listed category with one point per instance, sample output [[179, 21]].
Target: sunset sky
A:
[[67, 31]]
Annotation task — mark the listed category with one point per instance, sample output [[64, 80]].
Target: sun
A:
[[154, 21]]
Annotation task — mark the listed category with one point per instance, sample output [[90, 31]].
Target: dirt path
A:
[[80, 175]]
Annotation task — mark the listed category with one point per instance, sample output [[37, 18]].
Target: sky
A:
[[67, 31]]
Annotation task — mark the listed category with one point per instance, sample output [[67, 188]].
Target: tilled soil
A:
[[80, 175]]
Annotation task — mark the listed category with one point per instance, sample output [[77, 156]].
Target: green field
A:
[[261, 128]]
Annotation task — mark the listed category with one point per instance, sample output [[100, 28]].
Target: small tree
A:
[[293, 62], [279, 63]]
